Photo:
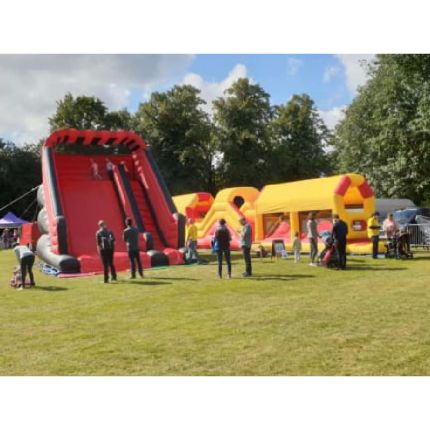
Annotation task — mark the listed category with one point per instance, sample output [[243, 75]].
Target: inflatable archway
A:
[[230, 204], [194, 205]]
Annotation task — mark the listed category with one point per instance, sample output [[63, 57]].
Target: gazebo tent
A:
[[10, 220]]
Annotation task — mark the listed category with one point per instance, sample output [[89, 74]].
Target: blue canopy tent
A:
[[10, 220]]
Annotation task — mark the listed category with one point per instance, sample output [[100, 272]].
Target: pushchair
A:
[[398, 246], [328, 256]]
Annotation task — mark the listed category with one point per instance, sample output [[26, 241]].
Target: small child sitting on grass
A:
[[16, 280], [297, 247]]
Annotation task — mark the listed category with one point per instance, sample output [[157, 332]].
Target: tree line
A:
[[245, 140]]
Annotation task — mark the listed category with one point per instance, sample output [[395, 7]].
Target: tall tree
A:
[[299, 138], [385, 134], [91, 113], [19, 172], [242, 117], [180, 134]]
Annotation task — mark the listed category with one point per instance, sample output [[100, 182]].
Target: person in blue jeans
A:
[[222, 247]]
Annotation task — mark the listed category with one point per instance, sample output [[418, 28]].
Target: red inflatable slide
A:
[[73, 201]]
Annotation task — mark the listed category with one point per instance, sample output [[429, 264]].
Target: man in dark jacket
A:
[[339, 234], [222, 246], [106, 247], [131, 237]]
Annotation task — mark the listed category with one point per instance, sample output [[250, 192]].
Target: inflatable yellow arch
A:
[[282, 210], [194, 205], [230, 204]]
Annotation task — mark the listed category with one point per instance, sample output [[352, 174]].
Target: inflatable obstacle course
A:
[[281, 210]]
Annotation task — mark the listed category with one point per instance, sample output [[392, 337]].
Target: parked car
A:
[[408, 215]]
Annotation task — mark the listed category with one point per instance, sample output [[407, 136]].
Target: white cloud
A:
[[293, 66], [354, 71], [332, 116], [30, 85], [330, 72], [212, 90]]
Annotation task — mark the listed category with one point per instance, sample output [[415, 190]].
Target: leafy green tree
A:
[[119, 120], [242, 117], [299, 139], [180, 135], [90, 113], [19, 172], [385, 134]]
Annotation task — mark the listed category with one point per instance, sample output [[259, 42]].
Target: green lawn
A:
[[290, 319]]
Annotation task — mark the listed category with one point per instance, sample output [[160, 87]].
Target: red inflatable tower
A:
[[73, 201]]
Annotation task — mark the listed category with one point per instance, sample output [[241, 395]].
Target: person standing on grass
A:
[[339, 234], [131, 237], [191, 242], [373, 229], [312, 228], [222, 241], [297, 247], [245, 244], [106, 247], [25, 259]]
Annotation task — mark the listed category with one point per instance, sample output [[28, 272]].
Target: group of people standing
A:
[[339, 234], [105, 240], [390, 227], [221, 245], [8, 237]]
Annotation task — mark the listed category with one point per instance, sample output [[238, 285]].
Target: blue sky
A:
[[31, 85], [283, 75]]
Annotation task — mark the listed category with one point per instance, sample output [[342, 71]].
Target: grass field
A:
[[290, 319]]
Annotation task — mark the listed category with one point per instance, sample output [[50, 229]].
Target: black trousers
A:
[[134, 257], [246, 251], [227, 256], [314, 249], [27, 266], [375, 243], [341, 253], [107, 260]]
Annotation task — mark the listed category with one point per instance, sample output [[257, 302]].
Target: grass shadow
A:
[[176, 279], [143, 282], [49, 288], [375, 268], [277, 277]]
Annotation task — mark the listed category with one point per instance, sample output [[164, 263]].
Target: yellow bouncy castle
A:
[[282, 210], [230, 204]]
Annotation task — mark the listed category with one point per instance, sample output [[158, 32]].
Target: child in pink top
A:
[[95, 170]]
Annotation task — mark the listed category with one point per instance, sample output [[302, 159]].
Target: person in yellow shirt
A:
[[191, 241], [373, 229]]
